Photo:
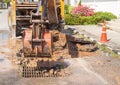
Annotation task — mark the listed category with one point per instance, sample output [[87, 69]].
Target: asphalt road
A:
[[92, 70]]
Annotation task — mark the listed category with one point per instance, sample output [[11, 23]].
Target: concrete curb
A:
[[108, 27]]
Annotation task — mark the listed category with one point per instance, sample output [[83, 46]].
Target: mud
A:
[[5, 64], [61, 51]]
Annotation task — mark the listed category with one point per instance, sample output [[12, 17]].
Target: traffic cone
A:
[[104, 34]]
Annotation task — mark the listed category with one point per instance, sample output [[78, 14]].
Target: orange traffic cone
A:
[[104, 34]]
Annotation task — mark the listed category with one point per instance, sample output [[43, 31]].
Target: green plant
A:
[[105, 49], [68, 8], [6, 1], [98, 17], [80, 2], [82, 10], [106, 15]]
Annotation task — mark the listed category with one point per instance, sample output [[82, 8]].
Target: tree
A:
[[6, 1], [1, 0]]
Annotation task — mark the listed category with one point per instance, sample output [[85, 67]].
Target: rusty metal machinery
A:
[[44, 46], [37, 39], [21, 13], [36, 23]]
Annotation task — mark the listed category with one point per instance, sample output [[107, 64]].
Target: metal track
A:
[[43, 68], [28, 72]]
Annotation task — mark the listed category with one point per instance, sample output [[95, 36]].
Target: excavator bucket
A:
[[41, 47], [27, 37], [48, 43]]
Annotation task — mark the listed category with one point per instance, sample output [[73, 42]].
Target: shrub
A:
[[6, 1], [98, 17], [67, 9], [80, 2], [82, 11], [105, 15]]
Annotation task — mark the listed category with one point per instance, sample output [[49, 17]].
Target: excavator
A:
[[34, 21], [40, 24], [45, 44]]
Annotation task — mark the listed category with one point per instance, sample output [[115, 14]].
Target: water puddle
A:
[[5, 64], [1, 59]]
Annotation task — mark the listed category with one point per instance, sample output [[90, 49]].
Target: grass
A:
[[105, 49]]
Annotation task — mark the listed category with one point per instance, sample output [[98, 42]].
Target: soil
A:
[[88, 68]]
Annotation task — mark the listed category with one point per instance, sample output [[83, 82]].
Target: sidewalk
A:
[[114, 25], [94, 33]]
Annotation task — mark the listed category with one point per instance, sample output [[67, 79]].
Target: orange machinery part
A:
[[40, 49]]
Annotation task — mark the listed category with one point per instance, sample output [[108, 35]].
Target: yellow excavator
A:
[[34, 21], [44, 46], [40, 24]]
